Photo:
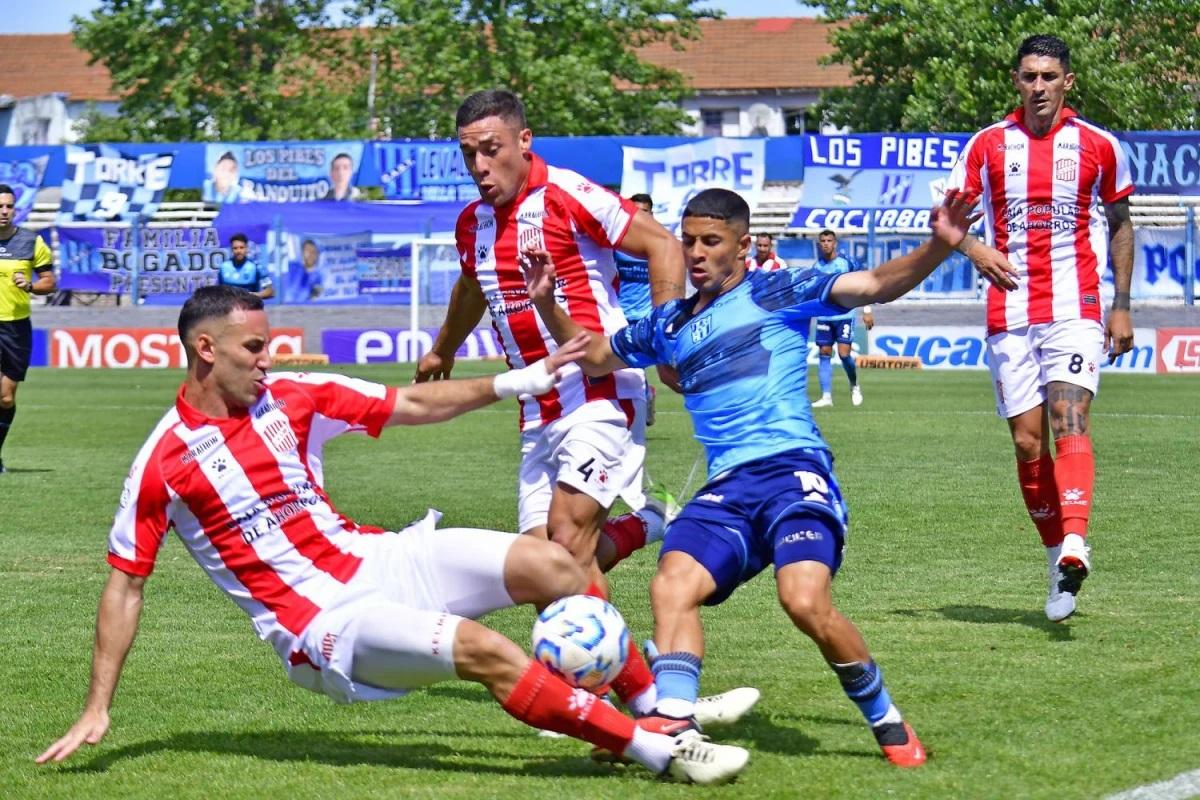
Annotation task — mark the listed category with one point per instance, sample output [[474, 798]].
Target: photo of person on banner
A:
[[341, 176], [302, 283], [223, 186]]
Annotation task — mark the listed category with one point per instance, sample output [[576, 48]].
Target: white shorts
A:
[[593, 449], [1024, 360], [432, 579]]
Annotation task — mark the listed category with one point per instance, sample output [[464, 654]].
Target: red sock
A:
[[1075, 474], [627, 533], [544, 701], [635, 677], [1041, 498]]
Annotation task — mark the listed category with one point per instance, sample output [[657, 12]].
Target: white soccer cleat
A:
[[825, 401], [664, 504], [694, 759], [856, 396], [1069, 565], [725, 708]]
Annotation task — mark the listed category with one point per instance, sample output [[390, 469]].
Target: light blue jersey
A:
[[742, 362], [840, 265], [633, 292], [246, 275]]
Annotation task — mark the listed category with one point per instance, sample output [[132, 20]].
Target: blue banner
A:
[[25, 178], [895, 177], [385, 271], [281, 172], [392, 345], [170, 261], [322, 269], [430, 171], [105, 184], [1163, 163]]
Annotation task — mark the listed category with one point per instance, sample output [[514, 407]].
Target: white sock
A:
[[676, 707], [892, 715], [654, 523], [651, 750], [643, 704]]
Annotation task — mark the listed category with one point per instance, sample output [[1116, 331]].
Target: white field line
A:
[[1181, 787]]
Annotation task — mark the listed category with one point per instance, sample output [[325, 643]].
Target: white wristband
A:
[[532, 380], [866, 309]]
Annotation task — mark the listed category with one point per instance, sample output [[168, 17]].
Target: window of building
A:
[[801, 120], [711, 121]]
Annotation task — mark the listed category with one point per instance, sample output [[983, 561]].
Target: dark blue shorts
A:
[[830, 331], [16, 343], [779, 510]]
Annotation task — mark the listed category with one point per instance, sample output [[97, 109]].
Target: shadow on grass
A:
[[985, 615], [341, 749], [763, 733], [25, 470]]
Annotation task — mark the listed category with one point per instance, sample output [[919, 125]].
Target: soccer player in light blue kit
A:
[[838, 329], [740, 346]]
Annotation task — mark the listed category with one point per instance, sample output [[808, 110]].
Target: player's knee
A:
[[576, 540], [809, 611], [8, 398], [561, 572], [674, 590], [1028, 444]]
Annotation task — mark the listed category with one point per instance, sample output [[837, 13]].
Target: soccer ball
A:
[[582, 639]]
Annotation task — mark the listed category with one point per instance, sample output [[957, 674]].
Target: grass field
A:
[[943, 574]]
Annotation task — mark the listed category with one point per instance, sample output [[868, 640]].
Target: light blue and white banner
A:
[[281, 172], [25, 178], [104, 184], [429, 171], [672, 175]]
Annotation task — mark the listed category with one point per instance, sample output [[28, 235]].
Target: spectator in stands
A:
[[223, 186], [341, 173], [764, 256], [838, 329], [240, 271], [26, 268], [1045, 171]]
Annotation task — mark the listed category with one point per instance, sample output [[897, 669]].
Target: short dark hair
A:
[[641, 197], [214, 302], [6, 189], [227, 156], [491, 103], [826, 232], [764, 235], [1043, 44], [719, 204], [342, 155], [239, 237]]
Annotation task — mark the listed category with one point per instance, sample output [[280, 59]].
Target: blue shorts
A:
[[834, 330], [779, 510]]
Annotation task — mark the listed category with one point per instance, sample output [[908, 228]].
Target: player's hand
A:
[[90, 729], [670, 378], [951, 220], [568, 352], [1118, 333], [20, 280], [991, 264], [433, 367], [868, 318], [540, 275]]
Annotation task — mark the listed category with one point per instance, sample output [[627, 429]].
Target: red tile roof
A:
[[743, 54]]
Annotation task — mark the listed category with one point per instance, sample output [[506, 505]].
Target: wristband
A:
[[532, 380], [866, 309]]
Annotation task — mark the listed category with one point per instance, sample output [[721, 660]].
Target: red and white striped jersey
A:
[[245, 496], [770, 265], [1040, 200], [580, 223]]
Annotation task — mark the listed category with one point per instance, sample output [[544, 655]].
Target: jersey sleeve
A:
[[1116, 179], [967, 174], [601, 214], [43, 259], [264, 276], [349, 404], [797, 293], [143, 516], [644, 343]]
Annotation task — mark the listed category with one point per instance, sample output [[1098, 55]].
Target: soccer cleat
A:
[[694, 759], [825, 401], [667, 726], [856, 395], [899, 744], [659, 500], [1069, 566], [726, 708]]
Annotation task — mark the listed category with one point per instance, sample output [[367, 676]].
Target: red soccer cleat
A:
[[900, 744]]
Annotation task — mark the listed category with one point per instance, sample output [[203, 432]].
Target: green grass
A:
[[943, 574]]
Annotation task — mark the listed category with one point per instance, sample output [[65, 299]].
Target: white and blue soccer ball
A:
[[582, 639]]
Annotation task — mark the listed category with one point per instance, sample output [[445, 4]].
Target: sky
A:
[[54, 16]]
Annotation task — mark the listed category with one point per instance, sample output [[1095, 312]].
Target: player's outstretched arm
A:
[[423, 403], [116, 626], [949, 223], [1118, 327], [648, 239], [989, 262], [466, 308], [541, 278]]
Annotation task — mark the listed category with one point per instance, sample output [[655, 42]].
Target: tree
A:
[[945, 66], [573, 62], [221, 69]]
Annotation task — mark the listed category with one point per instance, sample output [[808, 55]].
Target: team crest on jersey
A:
[[530, 238], [1065, 169], [279, 433], [701, 328]]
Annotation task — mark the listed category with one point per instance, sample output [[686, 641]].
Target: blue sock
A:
[[864, 685], [851, 369], [825, 374], [677, 681]]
